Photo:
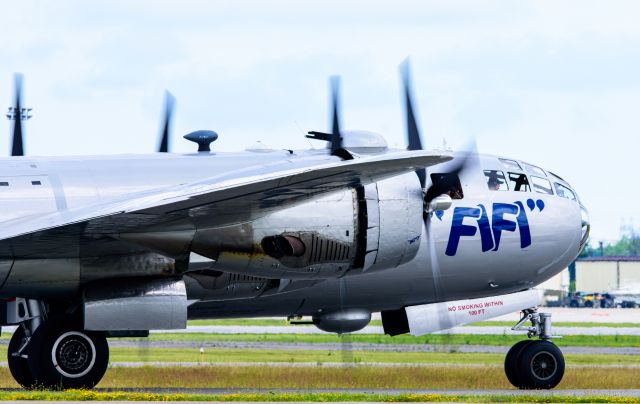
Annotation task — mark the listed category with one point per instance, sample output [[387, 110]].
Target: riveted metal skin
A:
[[369, 235], [135, 304]]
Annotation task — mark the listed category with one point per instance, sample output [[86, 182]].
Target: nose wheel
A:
[[535, 364]]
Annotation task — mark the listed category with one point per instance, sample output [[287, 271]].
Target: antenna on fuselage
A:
[[18, 113]]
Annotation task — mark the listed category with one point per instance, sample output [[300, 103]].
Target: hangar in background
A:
[[607, 274], [599, 275]]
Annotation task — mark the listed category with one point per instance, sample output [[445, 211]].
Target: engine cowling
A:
[[394, 222], [350, 231], [366, 229]]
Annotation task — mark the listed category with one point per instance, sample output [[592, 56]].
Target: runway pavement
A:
[[477, 330], [351, 346], [291, 329], [558, 315]]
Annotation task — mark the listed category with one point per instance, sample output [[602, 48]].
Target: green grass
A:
[[246, 355], [270, 378], [449, 339], [258, 355], [284, 322], [83, 395], [218, 355], [225, 355]]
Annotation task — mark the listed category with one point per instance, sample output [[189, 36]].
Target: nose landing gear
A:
[[534, 364]]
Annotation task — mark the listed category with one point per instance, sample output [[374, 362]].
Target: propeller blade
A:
[[169, 101], [438, 188], [413, 133], [345, 338], [414, 142], [336, 137], [17, 144]]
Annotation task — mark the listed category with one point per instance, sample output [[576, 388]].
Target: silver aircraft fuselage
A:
[[489, 242]]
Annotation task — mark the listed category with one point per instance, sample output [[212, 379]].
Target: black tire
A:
[[64, 356], [541, 365], [588, 303], [19, 366], [511, 368]]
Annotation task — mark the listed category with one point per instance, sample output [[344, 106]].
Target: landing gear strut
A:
[[56, 353], [534, 364]]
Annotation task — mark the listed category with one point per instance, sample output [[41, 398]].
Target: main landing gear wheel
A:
[[63, 356], [19, 365]]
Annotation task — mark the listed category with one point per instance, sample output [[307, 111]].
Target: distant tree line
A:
[[627, 246]]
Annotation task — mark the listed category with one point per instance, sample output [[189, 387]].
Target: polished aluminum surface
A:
[[80, 220], [135, 304], [342, 321], [427, 318]]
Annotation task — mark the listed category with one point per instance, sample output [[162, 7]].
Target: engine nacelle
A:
[[366, 229], [394, 222]]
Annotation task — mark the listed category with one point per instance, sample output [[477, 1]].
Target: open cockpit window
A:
[[510, 164], [445, 184], [541, 185], [495, 180], [519, 182], [565, 192]]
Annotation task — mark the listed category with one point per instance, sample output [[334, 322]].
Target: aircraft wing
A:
[[223, 199]]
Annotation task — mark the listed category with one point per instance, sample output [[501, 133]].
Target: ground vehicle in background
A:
[[626, 298], [591, 300]]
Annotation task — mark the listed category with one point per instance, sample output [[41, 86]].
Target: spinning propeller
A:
[[437, 189], [335, 137], [415, 143], [169, 102], [18, 113]]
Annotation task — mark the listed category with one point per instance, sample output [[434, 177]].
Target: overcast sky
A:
[[550, 82]]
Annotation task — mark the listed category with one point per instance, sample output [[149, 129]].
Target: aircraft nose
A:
[[586, 226]]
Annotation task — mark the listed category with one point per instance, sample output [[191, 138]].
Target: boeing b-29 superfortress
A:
[[93, 247]]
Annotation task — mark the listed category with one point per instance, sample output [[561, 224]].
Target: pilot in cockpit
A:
[[493, 182]]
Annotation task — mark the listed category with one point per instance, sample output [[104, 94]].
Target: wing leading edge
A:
[[223, 199]]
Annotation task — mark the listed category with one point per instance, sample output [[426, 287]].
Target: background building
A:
[[607, 274]]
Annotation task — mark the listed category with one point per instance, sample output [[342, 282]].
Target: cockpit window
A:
[[534, 170], [511, 164], [445, 184], [556, 176], [541, 185], [519, 182], [496, 180], [565, 192]]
